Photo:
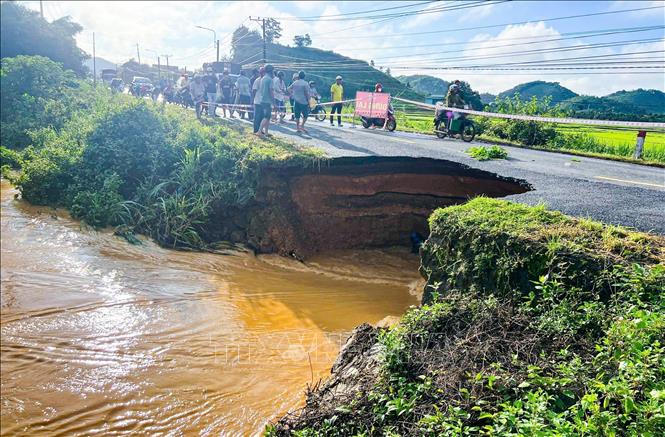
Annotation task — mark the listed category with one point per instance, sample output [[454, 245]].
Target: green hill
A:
[[650, 101], [487, 98], [540, 89], [321, 66], [425, 84]]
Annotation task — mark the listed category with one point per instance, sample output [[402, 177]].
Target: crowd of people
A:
[[261, 97]]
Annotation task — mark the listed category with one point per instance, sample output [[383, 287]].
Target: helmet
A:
[[311, 82], [338, 78], [378, 87]]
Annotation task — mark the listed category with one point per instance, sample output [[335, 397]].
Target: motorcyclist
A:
[[378, 88], [312, 90], [454, 97]]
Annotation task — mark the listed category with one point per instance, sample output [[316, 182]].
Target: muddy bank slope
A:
[[353, 202], [535, 323]]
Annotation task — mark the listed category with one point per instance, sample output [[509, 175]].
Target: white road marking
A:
[[630, 182]]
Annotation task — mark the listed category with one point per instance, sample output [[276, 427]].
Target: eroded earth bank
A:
[[352, 203]]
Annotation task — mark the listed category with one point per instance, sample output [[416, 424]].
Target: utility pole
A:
[[159, 69], [263, 22], [94, 61], [168, 71], [41, 9], [217, 50], [138, 54]]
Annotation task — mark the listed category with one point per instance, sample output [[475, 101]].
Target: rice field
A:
[[616, 143]]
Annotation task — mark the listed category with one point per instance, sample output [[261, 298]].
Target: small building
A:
[[435, 98]]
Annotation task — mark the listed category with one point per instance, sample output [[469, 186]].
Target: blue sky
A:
[[169, 28]]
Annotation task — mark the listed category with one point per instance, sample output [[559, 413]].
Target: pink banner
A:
[[372, 105]]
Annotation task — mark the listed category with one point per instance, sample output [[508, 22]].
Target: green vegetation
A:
[[540, 90], [120, 161], [535, 323], [483, 153], [36, 92], [24, 32]]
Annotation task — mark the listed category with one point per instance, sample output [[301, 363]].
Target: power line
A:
[[359, 12], [461, 29], [451, 8], [374, 16], [539, 51], [571, 35]]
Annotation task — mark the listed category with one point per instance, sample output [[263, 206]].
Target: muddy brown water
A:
[[99, 336]]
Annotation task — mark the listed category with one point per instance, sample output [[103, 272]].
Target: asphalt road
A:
[[610, 191]]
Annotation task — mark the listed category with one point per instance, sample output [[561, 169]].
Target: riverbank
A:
[[533, 323]]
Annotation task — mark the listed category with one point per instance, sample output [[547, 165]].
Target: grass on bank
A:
[[114, 160], [536, 323]]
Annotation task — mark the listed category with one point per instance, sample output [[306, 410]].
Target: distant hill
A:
[[425, 84], [651, 101], [101, 64], [323, 66], [540, 89], [487, 98], [622, 104]]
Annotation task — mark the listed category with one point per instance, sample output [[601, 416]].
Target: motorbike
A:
[[447, 123], [184, 98], [391, 124], [316, 109]]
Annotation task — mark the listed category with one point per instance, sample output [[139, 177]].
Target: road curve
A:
[[613, 192]]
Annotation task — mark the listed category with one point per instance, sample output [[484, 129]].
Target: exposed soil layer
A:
[[356, 202]]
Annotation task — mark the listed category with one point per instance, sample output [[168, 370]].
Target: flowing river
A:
[[100, 336]]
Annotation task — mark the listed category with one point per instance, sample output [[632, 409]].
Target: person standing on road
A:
[[252, 79], [197, 91], [225, 92], [300, 92], [256, 100], [291, 101], [280, 96], [337, 95], [267, 93], [244, 94], [211, 91]]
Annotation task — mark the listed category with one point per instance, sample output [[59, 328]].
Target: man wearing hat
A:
[[336, 95]]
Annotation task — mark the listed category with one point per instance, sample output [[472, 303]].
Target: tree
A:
[[244, 43], [371, 63], [388, 71], [24, 32], [302, 40], [470, 96], [273, 30], [34, 92]]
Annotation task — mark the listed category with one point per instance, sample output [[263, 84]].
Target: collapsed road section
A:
[[353, 202]]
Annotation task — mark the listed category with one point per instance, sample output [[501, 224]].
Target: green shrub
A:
[[155, 169]]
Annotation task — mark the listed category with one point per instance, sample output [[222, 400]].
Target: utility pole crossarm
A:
[[263, 24]]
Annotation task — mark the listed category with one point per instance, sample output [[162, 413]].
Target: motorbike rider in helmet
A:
[[378, 88]]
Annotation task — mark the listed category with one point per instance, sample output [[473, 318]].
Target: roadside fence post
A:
[[639, 146]]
